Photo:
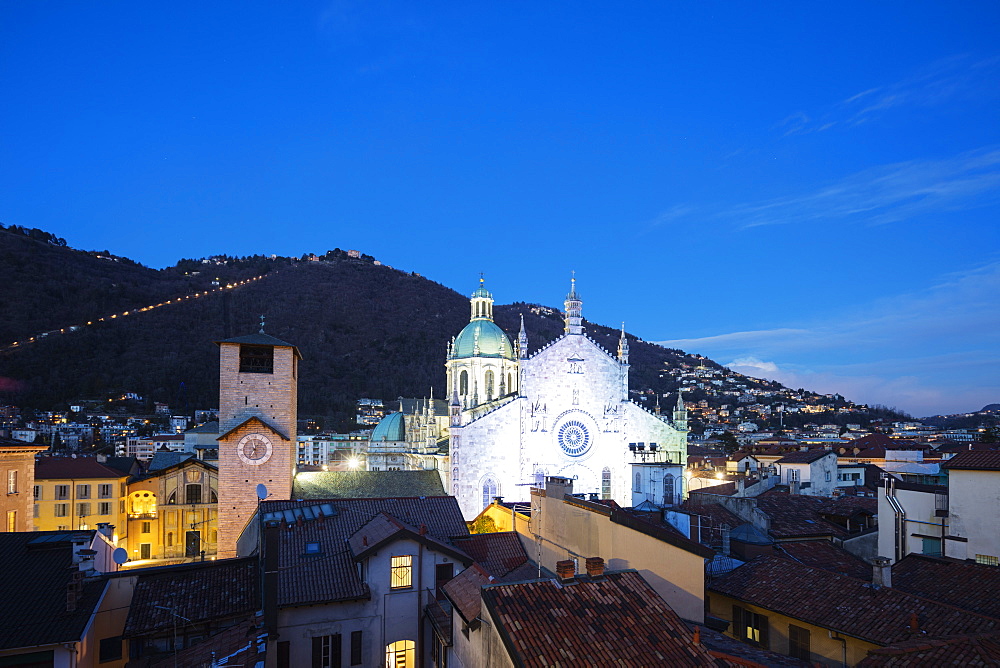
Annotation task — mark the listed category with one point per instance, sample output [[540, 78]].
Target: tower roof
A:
[[260, 340]]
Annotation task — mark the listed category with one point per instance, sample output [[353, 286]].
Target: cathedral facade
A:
[[563, 410]]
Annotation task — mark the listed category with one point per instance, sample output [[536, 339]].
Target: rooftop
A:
[[38, 568], [963, 584], [617, 619], [975, 460], [62, 468], [366, 484], [880, 615]]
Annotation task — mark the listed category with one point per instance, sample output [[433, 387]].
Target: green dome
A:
[[482, 292], [389, 428], [492, 341]]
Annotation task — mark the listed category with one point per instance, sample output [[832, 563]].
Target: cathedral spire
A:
[[522, 342], [680, 413], [574, 309], [623, 347]]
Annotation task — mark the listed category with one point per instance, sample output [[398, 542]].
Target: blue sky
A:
[[809, 192]]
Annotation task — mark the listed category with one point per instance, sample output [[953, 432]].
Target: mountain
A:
[[364, 329]]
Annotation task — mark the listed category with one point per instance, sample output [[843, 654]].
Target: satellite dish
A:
[[120, 555], [261, 491]]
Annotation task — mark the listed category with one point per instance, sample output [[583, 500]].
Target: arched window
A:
[[668, 490], [490, 490], [401, 654], [638, 482], [463, 383], [489, 386], [606, 483]]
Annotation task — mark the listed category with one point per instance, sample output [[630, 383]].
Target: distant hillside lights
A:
[[142, 309]]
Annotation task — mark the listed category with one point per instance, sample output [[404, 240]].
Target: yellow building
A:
[[173, 511], [79, 493]]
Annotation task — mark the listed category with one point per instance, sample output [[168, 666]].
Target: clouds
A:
[[948, 81], [929, 351], [886, 193]]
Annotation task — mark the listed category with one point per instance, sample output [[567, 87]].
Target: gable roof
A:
[[497, 553], [975, 460], [614, 620], [254, 418], [844, 604], [366, 484], [465, 592], [805, 456], [383, 529], [800, 516], [37, 568], [332, 575]]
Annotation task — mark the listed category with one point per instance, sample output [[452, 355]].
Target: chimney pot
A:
[[566, 569], [914, 623], [595, 567], [423, 529]]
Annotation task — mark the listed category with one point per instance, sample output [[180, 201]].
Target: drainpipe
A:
[[843, 645], [900, 515]]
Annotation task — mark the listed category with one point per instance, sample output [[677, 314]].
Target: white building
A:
[[562, 411]]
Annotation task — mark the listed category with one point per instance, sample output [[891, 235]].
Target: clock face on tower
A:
[[254, 449]]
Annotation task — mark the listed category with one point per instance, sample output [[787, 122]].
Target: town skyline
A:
[[802, 194]]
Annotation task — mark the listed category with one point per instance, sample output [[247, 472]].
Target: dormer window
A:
[[256, 359]]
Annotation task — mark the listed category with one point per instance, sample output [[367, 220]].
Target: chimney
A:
[[697, 635], [595, 567], [881, 572], [107, 530], [914, 622], [557, 487], [423, 529], [566, 570]]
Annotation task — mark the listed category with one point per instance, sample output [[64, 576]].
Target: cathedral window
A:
[[668, 490], [463, 383], [256, 359], [489, 386], [510, 383], [638, 482], [490, 490], [606, 483]]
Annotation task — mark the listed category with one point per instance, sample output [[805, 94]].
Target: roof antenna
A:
[[261, 324]]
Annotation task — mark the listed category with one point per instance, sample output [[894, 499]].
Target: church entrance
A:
[[192, 544]]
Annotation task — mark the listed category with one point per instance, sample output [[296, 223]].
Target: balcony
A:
[[142, 516]]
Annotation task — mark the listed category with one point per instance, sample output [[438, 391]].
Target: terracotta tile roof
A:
[[201, 592], [966, 585], [239, 645], [844, 604], [366, 484], [37, 569], [805, 456], [498, 553], [333, 575], [465, 591], [796, 515], [979, 650], [976, 460], [883, 442], [824, 554], [615, 620], [384, 528], [62, 468]]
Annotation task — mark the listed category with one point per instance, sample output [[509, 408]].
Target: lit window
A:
[[987, 559], [402, 572], [400, 654], [606, 483], [11, 521]]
